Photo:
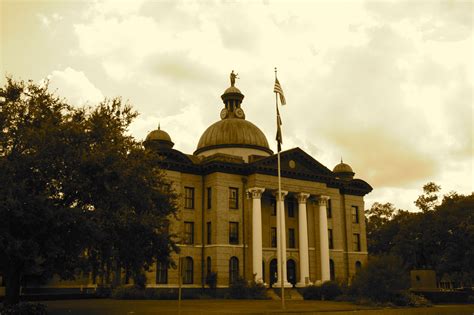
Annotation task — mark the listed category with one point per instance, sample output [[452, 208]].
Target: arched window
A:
[[188, 270], [273, 271], [209, 266], [161, 273], [291, 271], [332, 269], [358, 266], [233, 269]]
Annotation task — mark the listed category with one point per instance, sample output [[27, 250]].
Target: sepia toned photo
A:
[[236, 157]]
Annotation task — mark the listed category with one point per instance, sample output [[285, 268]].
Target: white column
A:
[[303, 240], [256, 195], [281, 239], [323, 238]]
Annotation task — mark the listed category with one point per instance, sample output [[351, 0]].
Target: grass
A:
[[210, 307]]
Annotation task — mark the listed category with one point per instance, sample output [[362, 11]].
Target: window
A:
[[209, 233], [332, 269], [233, 233], [189, 197], [233, 269], [356, 242], [209, 197], [291, 208], [233, 198], [189, 233], [331, 244], [291, 238], [209, 266], [355, 214], [329, 209], [274, 206], [161, 273], [273, 236], [188, 270], [358, 266]]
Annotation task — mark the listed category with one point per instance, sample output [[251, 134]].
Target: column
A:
[[281, 240], [303, 240], [323, 238], [256, 195]]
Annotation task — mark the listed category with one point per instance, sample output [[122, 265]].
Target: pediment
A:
[[295, 163]]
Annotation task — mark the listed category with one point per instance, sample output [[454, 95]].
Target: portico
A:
[[255, 193]]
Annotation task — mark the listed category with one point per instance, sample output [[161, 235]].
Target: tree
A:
[[456, 218], [429, 199], [438, 238], [381, 279], [40, 146], [379, 228], [77, 192], [129, 195]]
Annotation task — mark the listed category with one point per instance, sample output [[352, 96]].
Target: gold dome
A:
[[158, 135], [232, 133], [344, 170], [158, 139]]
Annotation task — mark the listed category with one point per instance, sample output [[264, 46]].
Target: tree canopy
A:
[[76, 191], [440, 238]]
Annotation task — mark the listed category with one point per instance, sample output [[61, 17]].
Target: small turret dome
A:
[[344, 170], [158, 139]]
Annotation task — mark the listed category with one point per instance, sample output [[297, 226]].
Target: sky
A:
[[386, 85]]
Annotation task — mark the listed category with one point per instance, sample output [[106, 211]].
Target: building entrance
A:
[[291, 271], [273, 271]]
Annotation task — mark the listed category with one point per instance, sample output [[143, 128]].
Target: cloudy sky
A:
[[387, 85]]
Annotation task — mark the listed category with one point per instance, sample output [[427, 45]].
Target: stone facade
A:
[[219, 214]]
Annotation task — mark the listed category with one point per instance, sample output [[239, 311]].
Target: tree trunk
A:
[[12, 286], [118, 274]]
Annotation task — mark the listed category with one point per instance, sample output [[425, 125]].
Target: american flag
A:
[[277, 89]]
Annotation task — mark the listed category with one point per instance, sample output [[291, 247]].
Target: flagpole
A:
[[282, 213]]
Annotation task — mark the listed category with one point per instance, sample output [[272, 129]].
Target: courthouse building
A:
[[227, 219]]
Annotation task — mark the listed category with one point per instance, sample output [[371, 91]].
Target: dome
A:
[[233, 135], [344, 170], [159, 135], [158, 139], [232, 89], [233, 132]]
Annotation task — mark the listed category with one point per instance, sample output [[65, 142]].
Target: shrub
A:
[[256, 291], [103, 291], [24, 308], [161, 294], [238, 289], [444, 296], [241, 289], [406, 298], [211, 280], [128, 293], [330, 290], [381, 279], [312, 292]]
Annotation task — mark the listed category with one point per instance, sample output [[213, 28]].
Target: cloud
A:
[[435, 20], [181, 126], [75, 87], [387, 85]]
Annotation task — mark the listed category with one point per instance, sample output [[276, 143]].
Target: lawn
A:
[[207, 307]]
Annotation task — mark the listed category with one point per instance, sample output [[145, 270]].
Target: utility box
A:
[[423, 279]]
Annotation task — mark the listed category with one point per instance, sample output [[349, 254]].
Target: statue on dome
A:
[[233, 76]]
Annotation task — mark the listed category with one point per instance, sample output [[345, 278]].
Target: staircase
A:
[[290, 294]]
